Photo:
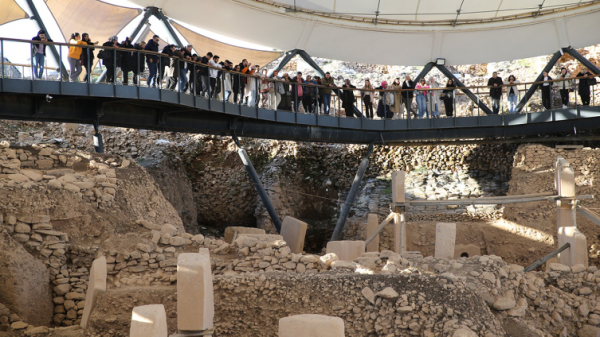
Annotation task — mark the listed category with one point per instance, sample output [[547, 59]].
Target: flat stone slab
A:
[[230, 232], [445, 238], [346, 250], [372, 224], [195, 296], [149, 321], [96, 286], [293, 232], [251, 240], [311, 326]]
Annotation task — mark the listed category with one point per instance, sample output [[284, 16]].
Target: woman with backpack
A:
[[108, 58]]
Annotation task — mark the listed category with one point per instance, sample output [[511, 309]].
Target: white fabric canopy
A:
[[408, 32]]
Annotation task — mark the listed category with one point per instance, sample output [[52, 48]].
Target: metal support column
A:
[[592, 67], [426, 69], [362, 168], [257, 184], [40, 22], [467, 92], [540, 77], [148, 12], [286, 59], [159, 14]]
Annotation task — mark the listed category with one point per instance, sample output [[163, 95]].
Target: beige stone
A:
[[346, 250], [18, 178], [398, 186], [251, 240], [96, 286], [372, 224], [230, 232], [293, 232], [33, 175], [564, 178], [577, 253], [311, 326], [149, 321], [399, 233], [445, 237], [195, 297], [469, 250]]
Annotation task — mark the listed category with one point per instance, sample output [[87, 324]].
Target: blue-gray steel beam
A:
[[426, 69], [159, 14], [592, 67], [467, 92], [540, 77], [257, 184], [148, 12], [362, 168]]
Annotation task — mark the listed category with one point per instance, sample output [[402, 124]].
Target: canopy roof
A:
[[407, 32], [10, 11]]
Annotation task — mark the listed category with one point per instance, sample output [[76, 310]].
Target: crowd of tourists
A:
[[244, 83]]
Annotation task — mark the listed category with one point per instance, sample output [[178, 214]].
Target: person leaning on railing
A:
[[87, 56], [278, 91], [433, 101], [348, 95], [297, 92], [512, 93], [152, 61], [74, 57], [108, 58], [386, 99], [286, 97], [448, 97], [127, 60], [495, 84], [565, 86], [584, 85], [328, 82], [408, 95], [422, 97], [546, 91], [398, 107], [367, 96], [38, 50]]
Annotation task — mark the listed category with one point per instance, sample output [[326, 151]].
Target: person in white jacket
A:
[[251, 87], [214, 62], [433, 103], [565, 86]]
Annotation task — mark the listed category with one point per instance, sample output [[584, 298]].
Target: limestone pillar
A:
[[577, 253], [346, 250], [398, 186], [195, 297], [311, 326], [149, 321], [565, 186], [294, 232], [445, 238], [372, 224], [399, 233], [96, 286]]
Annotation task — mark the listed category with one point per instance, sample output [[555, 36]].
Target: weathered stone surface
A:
[[311, 326], [505, 302], [149, 321], [230, 232], [177, 241], [588, 331], [195, 297], [372, 224], [559, 267], [24, 286], [293, 232], [464, 332], [388, 293], [346, 250], [96, 286], [445, 237], [369, 294]]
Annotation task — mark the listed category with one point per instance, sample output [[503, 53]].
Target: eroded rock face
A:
[[24, 283]]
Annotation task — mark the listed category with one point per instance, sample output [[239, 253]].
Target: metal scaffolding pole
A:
[[467, 92], [540, 77]]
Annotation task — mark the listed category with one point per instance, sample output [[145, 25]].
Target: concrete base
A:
[[230, 232], [577, 253], [470, 250], [311, 326], [96, 285], [195, 297], [372, 224], [149, 321], [294, 232], [445, 237], [346, 250]]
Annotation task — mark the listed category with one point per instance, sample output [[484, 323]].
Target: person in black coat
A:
[[38, 52], [495, 82], [152, 60], [546, 91], [165, 61], [408, 95], [235, 85], [127, 64], [584, 86], [87, 55], [109, 59], [448, 97], [348, 97], [138, 61]]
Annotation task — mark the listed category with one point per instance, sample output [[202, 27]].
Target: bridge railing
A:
[[124, 66]]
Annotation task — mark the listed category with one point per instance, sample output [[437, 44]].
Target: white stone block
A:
[[149, 321], [577, 253], [398, 186], [372, 224], [346, 250], [293, 232], [195, 297], [399, 233], [96, 286], [311, 326], [230, 232], [445, 238], [564, 178]]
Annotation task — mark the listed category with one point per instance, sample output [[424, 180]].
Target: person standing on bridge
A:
[[74, 57], [512, 91], [448, 97], [433, 101], [565, 86], [386, 100], [398, 107], [585, 81], [109, 58], [348, 95], [152, 60], [422, 96], [368, 96], [407, 96], [329, 83], [39, 53], [495, 84], [87, 56], [204, 73], [546, 91], [214, 74]]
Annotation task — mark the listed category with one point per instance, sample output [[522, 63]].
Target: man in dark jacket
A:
[[407, 96], [165, 61], [495, 82], [244, 69], [328, 82], [38, 51], [127, 60], [584, 85], [152, 60], [203, 71]]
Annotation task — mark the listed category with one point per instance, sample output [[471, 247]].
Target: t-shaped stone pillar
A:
[[565, 185], [399, 233], [398, 186], [149, 321], [311, 326], [445, 238], [372, 224], [294, 232], [577, 252], [195, 297], [96, 286]]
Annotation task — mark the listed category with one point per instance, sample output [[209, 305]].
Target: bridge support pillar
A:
[[257, 184], [362, 168]]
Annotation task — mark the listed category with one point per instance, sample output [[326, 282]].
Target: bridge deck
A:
[[166, 110]]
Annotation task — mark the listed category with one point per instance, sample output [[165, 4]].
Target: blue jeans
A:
[[39, 64], [326, 103], [227, 94], [512, 103], [183, 80], [422, 103], [152, 70]]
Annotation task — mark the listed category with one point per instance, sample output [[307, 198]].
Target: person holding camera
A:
[[39, 53]]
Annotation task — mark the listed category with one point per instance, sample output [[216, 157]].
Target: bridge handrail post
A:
[[60, 63], [31, 62], [114, 67], [318, 105]]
